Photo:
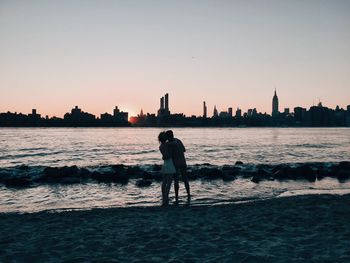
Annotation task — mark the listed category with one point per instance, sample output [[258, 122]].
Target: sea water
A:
[[86, 147]]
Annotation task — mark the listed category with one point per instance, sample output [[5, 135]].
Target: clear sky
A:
[[98, 54]]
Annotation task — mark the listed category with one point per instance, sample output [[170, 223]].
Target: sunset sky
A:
[[99, 54]]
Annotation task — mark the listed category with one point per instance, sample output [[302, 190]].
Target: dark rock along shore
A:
[[23, 176]]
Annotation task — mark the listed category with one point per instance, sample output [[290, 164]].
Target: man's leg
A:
[[185, 180], [176, 186], [164, 185]]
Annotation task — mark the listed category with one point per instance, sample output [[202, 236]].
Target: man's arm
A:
[[182, 146]]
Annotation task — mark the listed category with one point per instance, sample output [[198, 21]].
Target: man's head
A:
[[162, 137], [169, 134]]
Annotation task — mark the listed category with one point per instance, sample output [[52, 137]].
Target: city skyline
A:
[[98, 55], [164, 110], [209, 109]]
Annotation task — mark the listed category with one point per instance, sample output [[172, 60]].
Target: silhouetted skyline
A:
[[315, 116]]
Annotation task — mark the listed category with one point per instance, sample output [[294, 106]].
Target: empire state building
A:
[[275, 105]]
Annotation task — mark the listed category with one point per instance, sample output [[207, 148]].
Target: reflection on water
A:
[[92, 195], [94, 146]]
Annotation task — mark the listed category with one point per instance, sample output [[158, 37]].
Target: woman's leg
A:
[[164, 186], [168, 184]]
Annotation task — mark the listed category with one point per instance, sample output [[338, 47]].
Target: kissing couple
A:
[[173, 154]]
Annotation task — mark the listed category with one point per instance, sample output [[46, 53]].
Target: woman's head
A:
[[162, 137]]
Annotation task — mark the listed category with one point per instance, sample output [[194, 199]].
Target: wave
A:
[[23, 176]]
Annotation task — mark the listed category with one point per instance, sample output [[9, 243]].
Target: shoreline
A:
[[294, 229]]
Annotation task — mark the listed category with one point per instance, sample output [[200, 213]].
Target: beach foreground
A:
[[291, 229]]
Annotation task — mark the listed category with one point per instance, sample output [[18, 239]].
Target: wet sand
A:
[[290, 229]]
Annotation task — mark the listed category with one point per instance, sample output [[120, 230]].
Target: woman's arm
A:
[[164, 149]]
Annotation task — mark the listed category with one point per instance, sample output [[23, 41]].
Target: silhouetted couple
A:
[[173, 154]]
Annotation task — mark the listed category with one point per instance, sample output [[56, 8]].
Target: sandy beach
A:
[[291, 229]]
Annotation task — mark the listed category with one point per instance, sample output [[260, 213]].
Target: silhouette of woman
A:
[[168, 168]]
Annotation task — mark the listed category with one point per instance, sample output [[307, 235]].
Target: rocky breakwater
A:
[[25, 176]]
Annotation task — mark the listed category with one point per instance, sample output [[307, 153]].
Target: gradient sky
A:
[[98, 54]]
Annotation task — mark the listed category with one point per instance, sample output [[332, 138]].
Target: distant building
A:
[[164, 106], [230, 112], [319, 115], [275, 105], [299, 115], [34, 118], [250, 113], [223, 114], [34, 115], [286, 111], [238, 113], [215, 112], [76, 111], [79, 118], [255, 112], [204, 110], [166, 102], [116, 111]]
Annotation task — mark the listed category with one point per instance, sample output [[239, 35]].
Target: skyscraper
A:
[[215, 113], [164, 106], [161, 103], [166, 102], [204, 110], [275, 105], [230, 112]]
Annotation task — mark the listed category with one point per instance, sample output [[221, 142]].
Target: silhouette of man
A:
[[178, 156]]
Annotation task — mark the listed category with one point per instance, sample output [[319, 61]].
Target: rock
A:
[[84, 173], [238, 163], [321, 173], [51, 174], [134, 171], [192, 174], [17, 182], [157, 176], [282, 173], [305, 172], [211, 173], [231, 169], [342, 174], [110, 177], [229, 173], [70, 180], [256, 179], [156, 167], [152, 176], [56, 174], [262, 174], [278, 168], [147, 176], [344, 166], [69, 171], [118, 167], [228, 177], [300, 172], [23, 167], [143, 183], [341, 171]]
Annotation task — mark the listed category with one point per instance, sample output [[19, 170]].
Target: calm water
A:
[[91, 147], [86, 147]]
